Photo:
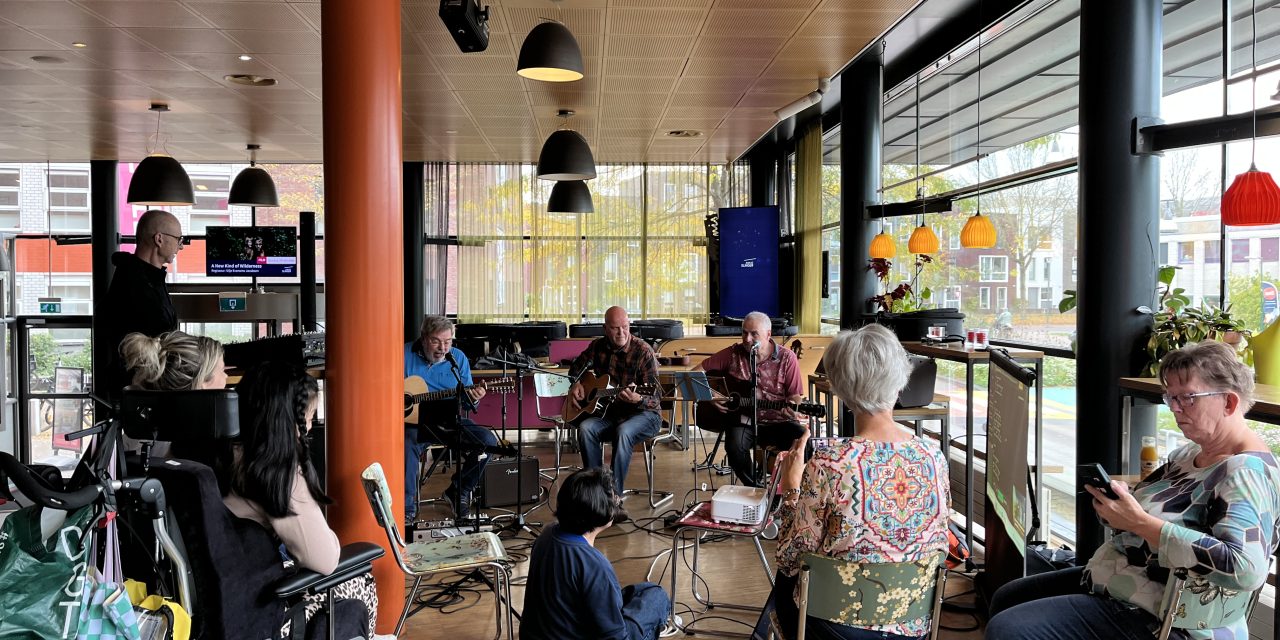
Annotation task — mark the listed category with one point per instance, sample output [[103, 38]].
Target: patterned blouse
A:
[[869, 501], [1222, 524]]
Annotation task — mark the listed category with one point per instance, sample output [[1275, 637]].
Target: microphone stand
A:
[[459, 399], [755, 404]]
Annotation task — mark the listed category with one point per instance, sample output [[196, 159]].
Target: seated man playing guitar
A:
[[433, 359], [777, 379], [630, 367]]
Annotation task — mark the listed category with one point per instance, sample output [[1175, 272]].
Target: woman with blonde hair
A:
[[173, 361]]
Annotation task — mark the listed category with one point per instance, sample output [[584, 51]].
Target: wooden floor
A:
[[730, 569]]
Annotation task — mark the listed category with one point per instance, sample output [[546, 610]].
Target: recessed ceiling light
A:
[[79, 45], [201, 187], [244, 57], [684, 133], [450, 131], [250, 80], [48, 59]]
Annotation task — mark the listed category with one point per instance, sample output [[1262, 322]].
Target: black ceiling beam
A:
[[931, 204], [1218, 130]]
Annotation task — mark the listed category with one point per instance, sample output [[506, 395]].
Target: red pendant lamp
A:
[[1253, 198]]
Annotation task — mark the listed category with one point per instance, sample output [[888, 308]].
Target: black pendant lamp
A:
[[160, 180], [253, 187], [550, 54], [566, 155], [570, 196]]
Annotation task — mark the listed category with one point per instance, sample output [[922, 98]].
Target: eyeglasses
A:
[[1188, 400], [178, 238]]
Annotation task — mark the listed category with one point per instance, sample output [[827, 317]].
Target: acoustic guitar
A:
[[415, 393], [709, 418], [597, 396]]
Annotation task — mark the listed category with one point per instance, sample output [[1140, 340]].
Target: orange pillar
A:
[[364, 262]]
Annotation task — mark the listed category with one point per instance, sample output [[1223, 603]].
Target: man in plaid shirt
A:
[[632, 417]]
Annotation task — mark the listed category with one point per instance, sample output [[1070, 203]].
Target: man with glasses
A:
[[441, 365], [138, 299]]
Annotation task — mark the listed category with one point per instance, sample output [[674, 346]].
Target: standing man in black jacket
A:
[[138, 299]]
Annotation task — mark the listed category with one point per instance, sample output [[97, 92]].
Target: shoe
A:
[[462, 508]]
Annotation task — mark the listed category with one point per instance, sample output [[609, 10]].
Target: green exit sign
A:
[[232, 302], [50, 305]]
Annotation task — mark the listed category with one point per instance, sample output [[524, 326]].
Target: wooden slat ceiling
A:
[[716, 66]]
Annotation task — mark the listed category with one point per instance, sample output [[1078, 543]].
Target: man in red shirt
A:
[[778, 378]]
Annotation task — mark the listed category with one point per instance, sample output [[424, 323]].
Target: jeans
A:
[[782, 602], [645, 607], [1055, 606], [739, 440], [470, 469], [623, 434]]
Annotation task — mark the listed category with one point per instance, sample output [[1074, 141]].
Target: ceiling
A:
[[720, 67]]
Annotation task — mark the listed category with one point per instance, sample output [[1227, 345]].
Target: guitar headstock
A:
[[499, 385], [811, 409]]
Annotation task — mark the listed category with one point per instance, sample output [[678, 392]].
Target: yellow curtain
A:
[[809, 230]]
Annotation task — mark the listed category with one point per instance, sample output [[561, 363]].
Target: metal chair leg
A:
[[408, 602]]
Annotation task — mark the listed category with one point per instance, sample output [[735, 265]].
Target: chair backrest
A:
[[870, 594], [376, 490], [546, 385], [1192, 602]]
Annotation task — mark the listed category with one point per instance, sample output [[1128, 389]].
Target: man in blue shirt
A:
[[434, 359], [572, 592]]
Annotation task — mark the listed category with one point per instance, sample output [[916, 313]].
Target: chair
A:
[[552, 389], [855, 594], [464, 553], [646, 446], [1184, 606]]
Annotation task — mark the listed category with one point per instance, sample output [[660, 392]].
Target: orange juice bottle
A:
[[1150, 457]]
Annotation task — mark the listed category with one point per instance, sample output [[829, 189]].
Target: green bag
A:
[[43, 579]]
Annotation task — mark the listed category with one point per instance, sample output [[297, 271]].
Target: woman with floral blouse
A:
[[882, 496], [1212, 509]]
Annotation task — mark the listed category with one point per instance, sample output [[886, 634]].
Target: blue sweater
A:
[[438, 376], [572, 592]]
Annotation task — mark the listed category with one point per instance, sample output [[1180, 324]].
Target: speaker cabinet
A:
[[499, 486]]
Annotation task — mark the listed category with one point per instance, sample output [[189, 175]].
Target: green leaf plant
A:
[[906, 297]]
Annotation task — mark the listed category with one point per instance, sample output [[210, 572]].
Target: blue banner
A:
[[749, 260]]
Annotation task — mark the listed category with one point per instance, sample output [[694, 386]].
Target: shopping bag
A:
[[105, 610], [158, 617], [43, 579]]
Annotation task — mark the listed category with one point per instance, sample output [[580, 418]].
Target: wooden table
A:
[[955, 352]]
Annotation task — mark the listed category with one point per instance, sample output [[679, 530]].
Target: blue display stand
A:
[[749, 260]]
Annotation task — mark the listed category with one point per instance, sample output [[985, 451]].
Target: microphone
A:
[[755, 346], [448, 355]]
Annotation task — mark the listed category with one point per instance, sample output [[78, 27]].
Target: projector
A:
[[467, 23], [739, 505]]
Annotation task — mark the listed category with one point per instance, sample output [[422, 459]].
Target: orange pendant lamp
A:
[[1253, 198], [923, 240], [882, 246], [978, 233]]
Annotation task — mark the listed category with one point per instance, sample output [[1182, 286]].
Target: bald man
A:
[[632, 417], [138, 299]]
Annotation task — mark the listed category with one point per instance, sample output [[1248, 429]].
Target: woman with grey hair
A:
[[881, 496], [1212, 508]]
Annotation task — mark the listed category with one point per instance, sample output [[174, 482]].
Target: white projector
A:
[[739, 505]]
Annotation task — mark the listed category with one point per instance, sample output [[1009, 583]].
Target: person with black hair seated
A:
[[572, 591], [272, 481]]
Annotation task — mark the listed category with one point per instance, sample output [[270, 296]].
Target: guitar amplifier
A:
[[498, 488]]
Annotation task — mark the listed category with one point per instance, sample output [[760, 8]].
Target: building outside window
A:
[[210, 208], [68, 200], [993, 268], [984, 297], [10, 202]]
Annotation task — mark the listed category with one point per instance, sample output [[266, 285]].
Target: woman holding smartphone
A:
[[1212, 509]]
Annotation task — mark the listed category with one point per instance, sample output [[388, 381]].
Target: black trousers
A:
[[740, 439]]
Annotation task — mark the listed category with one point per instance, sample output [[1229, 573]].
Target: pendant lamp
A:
[[566, 155], [978, 232], [923, 240], [160, 180], [253, 187], [550, 54], [882, 246], [570, 196], [1253, 198]]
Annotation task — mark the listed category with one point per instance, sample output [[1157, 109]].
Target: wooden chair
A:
[[1185, 607], [464, 553], [870, 594]]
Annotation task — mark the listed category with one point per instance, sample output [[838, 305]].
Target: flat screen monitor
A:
[[251, 251]]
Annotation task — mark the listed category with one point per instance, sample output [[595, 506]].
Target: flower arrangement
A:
[[907, 296]]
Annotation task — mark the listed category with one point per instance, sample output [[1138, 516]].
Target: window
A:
[[1046, 298], [1186, 252], [1031, 271], [210, 208], [68, 200], [1002, 298], [1047, 274], [951, 297], [984, 297], [993, 268], [953, 240], [1240, 250], [76, 294], [1163, 256], [1213, 252], [10, 205], [1270, 249]]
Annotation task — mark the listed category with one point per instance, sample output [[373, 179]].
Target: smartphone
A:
[[1095, 476]]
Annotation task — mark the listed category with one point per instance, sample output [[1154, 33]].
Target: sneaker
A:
[[462, 508]]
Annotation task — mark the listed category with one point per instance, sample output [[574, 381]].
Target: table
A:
[[954, 352]]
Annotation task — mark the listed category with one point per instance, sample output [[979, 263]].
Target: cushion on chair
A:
[[699, 517], [451, 553], [867, 594]]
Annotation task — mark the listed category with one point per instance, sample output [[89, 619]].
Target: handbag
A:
[[105, 609], [43, 578]]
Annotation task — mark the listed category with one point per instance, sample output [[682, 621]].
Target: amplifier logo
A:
[[511, 472]]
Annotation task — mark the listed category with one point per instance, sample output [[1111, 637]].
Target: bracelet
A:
[[791, 495]]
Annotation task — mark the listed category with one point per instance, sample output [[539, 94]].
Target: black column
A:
[[415, 221], [104, 229], [860, 134], [764, 172], [307, 270], [1120, 65]]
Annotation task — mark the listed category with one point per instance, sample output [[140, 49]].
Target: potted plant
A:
[[904, 308]]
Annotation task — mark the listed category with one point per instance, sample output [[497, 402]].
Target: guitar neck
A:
[[432, 396]]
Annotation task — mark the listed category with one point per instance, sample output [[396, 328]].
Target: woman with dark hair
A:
[[273, 482], [572, 592]]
